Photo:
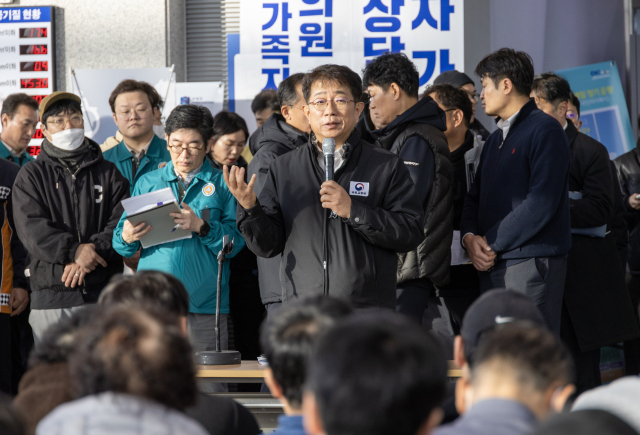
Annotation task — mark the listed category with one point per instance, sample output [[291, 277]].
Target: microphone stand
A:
[[219, 357]]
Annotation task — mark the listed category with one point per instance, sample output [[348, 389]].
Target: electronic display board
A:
[[27, 55]]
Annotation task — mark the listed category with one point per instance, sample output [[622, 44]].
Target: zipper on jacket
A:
[[74, 197]]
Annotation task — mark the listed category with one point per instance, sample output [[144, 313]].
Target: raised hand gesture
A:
[[242, 191]]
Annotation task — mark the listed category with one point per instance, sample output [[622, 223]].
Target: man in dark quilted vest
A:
[[414, 130]]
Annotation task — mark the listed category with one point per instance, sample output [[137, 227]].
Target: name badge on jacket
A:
[[358, 188]]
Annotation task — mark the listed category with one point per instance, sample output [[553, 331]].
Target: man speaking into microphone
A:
[[368, 212]]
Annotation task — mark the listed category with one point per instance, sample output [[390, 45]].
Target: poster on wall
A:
[[283, 37], [94, 86], [207, 94], [27, 56], [603, 108]]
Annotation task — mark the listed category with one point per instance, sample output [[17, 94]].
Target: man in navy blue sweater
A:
[[515, 220]]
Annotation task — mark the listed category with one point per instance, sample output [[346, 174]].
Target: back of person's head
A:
[[190, 117], [507, 63], [588, 422], [12, 103], [287, 95], [267, 99], [375, 373], [391, 68], [523, 353], [10, 421], [331, 73], [551, 87], [138, 352], [288, 337], [454, 78], [228, 123], [493, 308], [147, 288], [451, 98], [60, 339], [130, 85]]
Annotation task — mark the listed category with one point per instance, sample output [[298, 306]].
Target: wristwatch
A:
[[204, 230]]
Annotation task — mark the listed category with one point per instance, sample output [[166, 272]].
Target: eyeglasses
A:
[[473, 95], [140, 112], [191, 150], [321, 104], [74, 120]]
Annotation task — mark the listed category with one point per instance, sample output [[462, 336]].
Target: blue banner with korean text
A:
[[603, 108]]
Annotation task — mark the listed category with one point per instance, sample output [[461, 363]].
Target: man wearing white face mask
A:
[[66, 206]]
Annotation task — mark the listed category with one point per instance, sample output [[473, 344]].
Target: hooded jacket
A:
[[386, 218], [411, 136], [55, 211], [273, 139]]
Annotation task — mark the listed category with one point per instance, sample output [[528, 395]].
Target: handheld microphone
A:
[[328, 149]]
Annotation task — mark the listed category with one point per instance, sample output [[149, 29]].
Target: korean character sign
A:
[[282, 37]]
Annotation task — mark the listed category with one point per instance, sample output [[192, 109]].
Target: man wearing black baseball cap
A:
[[514, 371], [461, 80]]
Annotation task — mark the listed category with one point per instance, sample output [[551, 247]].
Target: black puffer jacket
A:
[[426, 120], [274, 138], [55, 211]]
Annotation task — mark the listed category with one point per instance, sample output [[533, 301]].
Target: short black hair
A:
[[267, 99], [130, 85], [576, 102], [508, 63], [340, 74], [228, 122], [135, 351], [288, 337], [147, 288], [61, 107], [551, 87], [535, 355], [376, 373], [452, 98], [191, 117], [287, 95], [391, 68], [12, 103]]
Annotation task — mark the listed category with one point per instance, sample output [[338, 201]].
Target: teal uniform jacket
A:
[[20, 161], [156, 157], [193, 261]]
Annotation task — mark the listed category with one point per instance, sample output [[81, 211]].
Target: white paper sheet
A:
[[458, 253]]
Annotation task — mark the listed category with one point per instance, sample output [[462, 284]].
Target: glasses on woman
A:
[[191, 150], [320, 104]]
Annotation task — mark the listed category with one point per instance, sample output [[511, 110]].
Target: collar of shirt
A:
[[506, 125], [566, 124], [189, 177], [338, 157], [12, 151], [145, 148]]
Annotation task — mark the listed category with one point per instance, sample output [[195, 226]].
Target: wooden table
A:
[[253, 372]]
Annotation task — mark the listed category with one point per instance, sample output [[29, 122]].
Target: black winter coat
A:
[[274, 138], [628, 166], [362, 259], [55, 211], [595, 293], [426, 121]]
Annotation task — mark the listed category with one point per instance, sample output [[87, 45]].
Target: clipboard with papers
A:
[[153, 208]]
